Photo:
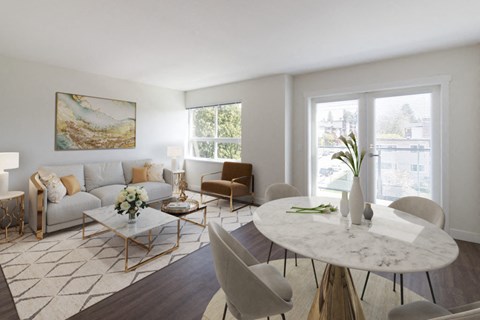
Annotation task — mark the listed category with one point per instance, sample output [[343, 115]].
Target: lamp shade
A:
[[9, 160], [174, 152]]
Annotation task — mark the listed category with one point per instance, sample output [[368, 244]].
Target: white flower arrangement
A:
[[130, 200]]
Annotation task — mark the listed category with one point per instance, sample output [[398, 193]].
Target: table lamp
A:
[[174, 152], [8, 160]]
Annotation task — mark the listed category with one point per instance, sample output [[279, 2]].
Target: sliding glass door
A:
[[399, 130]]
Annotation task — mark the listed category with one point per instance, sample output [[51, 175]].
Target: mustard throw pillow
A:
[[139, 174], [71, 183]]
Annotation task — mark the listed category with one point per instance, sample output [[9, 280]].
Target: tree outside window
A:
[[215, 132]]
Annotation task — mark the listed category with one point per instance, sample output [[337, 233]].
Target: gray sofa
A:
[[100, 184]]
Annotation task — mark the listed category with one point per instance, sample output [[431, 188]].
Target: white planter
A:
[[344, 204], [356, 202]]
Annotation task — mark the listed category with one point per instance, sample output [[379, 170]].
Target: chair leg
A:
[[270, 252], [283, 317], [231, 204], [365, 285], [431, 288], [296, 265], [315, 273], [394, 281], [401, 289], [285, 264], [224, 311]]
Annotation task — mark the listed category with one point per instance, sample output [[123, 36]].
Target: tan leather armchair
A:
[[236, 180]]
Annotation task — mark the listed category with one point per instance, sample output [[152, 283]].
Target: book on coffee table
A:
[[178, 205]]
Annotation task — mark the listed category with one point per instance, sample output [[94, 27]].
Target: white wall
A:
[[463, 65], [27, 120], [264, 128]]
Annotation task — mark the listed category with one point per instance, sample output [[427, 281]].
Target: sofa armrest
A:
[[168, 176], [37, 200]]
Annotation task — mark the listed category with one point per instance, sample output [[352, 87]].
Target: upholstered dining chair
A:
[[252, 289], [422, 208], [236, 180], [423, 310], [278, 191]]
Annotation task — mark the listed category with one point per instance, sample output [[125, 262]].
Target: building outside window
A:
[[215, 132]]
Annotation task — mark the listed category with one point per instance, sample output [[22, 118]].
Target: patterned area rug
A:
[[62, 274]]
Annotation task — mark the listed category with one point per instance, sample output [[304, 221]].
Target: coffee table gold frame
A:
[[16, 214], [126, 240], [336, 298]]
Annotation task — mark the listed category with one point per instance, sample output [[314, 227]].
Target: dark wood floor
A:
[[183, 289]]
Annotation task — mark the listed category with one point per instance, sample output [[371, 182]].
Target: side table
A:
[[178, 175], [15, 214]]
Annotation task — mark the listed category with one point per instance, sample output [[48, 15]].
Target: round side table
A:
[[12, 214]]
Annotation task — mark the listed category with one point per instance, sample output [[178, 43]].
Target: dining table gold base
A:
[[336, 298]]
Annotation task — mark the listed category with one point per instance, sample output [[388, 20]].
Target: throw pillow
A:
[[55, 189], [155, 172], [139, 174], [71, 183]]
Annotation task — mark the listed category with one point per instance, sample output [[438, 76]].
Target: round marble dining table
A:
[[394, 241]]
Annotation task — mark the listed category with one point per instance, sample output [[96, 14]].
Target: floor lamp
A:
[[8, 160]]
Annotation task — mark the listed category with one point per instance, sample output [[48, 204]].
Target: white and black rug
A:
[[62, 274]]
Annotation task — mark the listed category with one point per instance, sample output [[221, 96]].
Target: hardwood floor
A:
[[183, 289]]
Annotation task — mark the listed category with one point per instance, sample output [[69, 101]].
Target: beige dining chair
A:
[[423, 310], [278, 191], [422, 208], [252, 289]]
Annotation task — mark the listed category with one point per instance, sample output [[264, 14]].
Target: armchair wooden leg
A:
[[231, 204]]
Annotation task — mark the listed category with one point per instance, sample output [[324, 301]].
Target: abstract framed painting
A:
[[92, 123]]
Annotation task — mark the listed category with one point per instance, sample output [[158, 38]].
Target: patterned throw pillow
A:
[[55, 188], [155, 172]]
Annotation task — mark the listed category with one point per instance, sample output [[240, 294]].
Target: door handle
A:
[[373, 155]]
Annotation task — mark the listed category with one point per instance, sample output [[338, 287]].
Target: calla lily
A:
[[351, 157]]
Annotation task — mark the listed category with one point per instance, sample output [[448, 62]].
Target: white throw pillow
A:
[[155, 172], [55, 188]]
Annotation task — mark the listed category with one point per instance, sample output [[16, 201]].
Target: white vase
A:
[[344, 204], [355, 202]]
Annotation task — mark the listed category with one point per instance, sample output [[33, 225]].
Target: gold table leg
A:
[[204, 224], [336, 298]]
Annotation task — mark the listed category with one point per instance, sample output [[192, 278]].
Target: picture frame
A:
[[92, 123]]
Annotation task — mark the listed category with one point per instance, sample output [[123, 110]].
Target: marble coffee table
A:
[[395, 242], [148, 220]]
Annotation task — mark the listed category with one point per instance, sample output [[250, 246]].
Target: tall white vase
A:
[[355, 202]]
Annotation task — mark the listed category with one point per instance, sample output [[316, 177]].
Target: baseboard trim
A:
[[465, 235]]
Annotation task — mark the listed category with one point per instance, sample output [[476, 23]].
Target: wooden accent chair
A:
[[236, 180]]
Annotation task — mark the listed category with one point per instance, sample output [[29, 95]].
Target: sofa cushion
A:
[[108, 194], [71, 207], [55, 188], [103, 174], [128, 168], [155, 190], [139, 174], [71, 183], [75, 169], [155, 172]]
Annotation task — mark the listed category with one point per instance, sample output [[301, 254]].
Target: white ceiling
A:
[[189, 44]]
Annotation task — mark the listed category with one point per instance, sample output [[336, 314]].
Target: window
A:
[[398, 129], [215, 132]]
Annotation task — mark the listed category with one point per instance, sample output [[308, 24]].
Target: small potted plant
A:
[[130, 200]]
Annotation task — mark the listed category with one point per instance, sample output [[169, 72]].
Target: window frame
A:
[[216, 140]]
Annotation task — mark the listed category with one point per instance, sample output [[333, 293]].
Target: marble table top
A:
[[394, 241], [148, 219]]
